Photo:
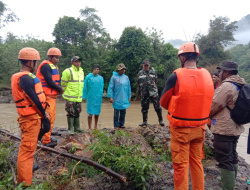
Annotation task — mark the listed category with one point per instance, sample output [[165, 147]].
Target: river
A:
[[8, 121]]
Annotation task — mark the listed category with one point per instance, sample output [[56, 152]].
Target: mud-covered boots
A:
[[77, 125], [159, 114], [145, 119], [70, 125]]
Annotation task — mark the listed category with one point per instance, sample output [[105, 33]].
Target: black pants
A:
[[225, 151]]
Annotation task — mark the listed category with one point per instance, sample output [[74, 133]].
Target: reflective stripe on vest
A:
[[55, 78], [74, 87], [23, 104], [191, 106]]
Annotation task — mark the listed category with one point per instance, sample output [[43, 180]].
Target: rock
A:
[[4, 99]]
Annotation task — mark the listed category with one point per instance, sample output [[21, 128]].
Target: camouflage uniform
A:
[[147, 84], [147, 81], [73, 109]]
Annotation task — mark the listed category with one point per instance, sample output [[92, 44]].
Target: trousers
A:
[[30, 128], [51, 110], [187, 151]]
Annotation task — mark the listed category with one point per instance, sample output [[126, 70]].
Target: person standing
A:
[[119, 92], [30, 102], [92, 92], [147, 82], [187, 96], [226, 132], [72, 83], [48, 74]]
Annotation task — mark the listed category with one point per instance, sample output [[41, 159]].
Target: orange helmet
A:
[[28, 53], [188, 47], [54, 51]]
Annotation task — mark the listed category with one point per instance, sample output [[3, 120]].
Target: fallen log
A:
[[68, 155]]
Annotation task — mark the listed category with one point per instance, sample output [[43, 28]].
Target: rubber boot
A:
[[145, 119], [77, 125], [159, 114], [70, 125], [227, 179]]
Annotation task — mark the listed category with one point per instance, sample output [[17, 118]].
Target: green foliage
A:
[[6, 16], [6, 177], [212, 45], [209, 152], [128, 159], [133, 47], [9, 54], [164, 155], [71, 31], [241, 55], [83, 169], [72, 149]]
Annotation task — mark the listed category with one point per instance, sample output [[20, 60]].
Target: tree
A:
[[164, 57], [133, 47], [6, 16], [9, 54], [71, 31], [241, 55], [212, 45]]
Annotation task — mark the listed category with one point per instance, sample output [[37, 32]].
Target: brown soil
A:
[[51, 164]]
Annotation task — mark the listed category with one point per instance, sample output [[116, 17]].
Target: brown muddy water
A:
[[8, 120]]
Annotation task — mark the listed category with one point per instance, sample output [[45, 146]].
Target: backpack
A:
[[241, 112]]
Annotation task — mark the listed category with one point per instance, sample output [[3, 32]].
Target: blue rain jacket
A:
[[120, 90], [92, 92]]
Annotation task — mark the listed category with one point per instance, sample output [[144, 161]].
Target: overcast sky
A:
[[177, 19]]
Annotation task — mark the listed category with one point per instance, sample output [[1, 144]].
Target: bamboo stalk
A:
[[68, 155]]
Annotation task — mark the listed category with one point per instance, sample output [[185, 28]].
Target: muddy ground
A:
[[51, 164]]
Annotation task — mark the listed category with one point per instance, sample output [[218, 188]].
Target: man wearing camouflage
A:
[[147, 80]]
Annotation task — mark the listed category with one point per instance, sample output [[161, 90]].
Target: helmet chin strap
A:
[[32, 68], [182, 63]]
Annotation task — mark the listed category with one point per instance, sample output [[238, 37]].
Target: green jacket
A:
[[72, 83]]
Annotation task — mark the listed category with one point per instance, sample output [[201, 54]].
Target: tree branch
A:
[[68, 155]]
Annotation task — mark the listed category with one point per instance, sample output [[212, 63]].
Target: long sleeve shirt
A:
[[46, 71], [27, 84]]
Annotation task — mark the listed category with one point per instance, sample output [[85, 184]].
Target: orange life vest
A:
[[24, 106], [191, 105], [55, 77]]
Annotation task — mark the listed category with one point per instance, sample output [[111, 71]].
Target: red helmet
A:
[[54, 51], [188, 47], [28, 53]]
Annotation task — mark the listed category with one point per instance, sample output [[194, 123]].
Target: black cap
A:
[[75, 58], [228, 66]]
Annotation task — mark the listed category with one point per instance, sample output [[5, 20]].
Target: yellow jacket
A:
[[72, 83]]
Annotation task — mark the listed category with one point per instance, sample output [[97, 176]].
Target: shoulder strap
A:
[[237, 85]]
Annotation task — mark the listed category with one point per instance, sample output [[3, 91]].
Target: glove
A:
[[45, 127]]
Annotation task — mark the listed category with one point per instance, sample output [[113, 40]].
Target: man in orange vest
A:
[[48, 74], [30, 102], [187, 96]]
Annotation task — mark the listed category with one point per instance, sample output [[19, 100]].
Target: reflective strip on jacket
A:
[[23, 104], [72, 83], [191, 106], [55, 77]]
